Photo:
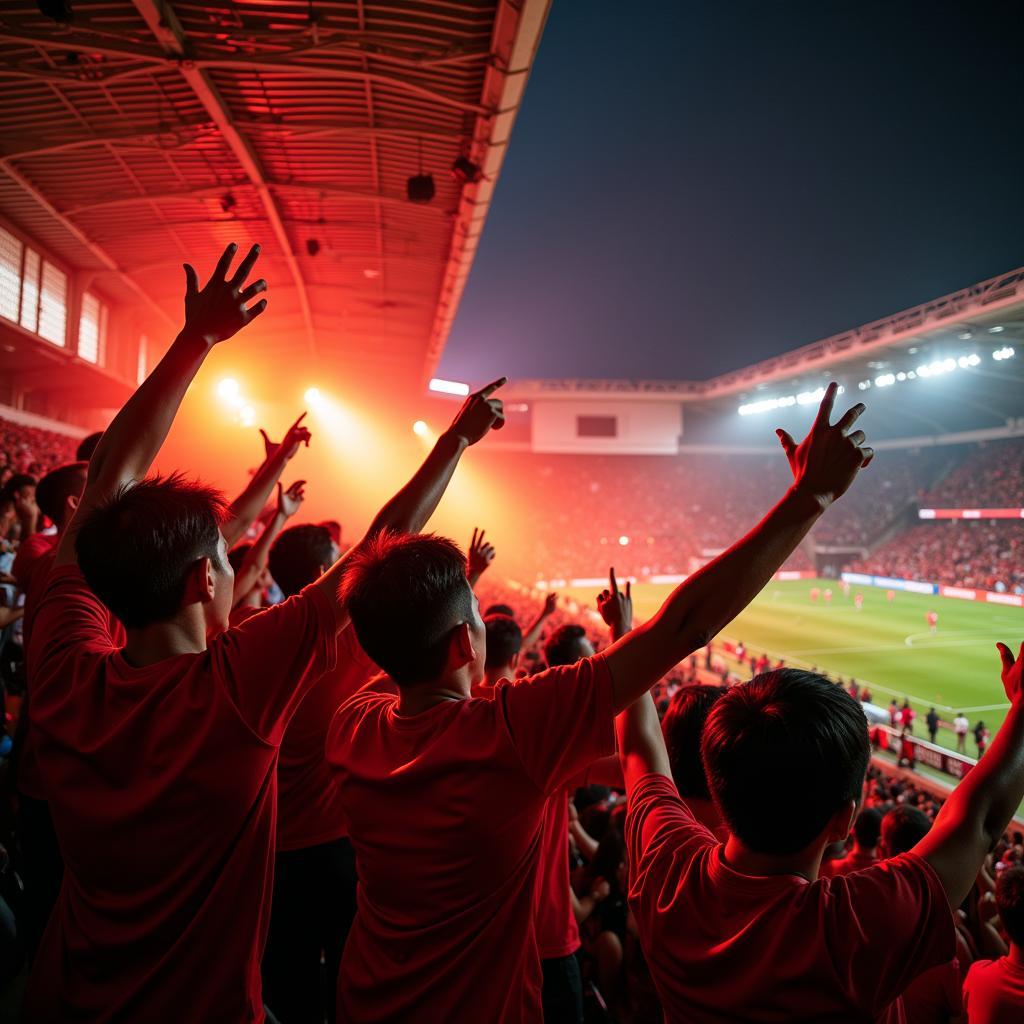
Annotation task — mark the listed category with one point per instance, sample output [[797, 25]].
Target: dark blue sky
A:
[[693, 186]]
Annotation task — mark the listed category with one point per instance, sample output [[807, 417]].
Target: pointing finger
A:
[[486, 392], [825, 409], [191, 281], [224, 262], [614, 582], [1005, 656]]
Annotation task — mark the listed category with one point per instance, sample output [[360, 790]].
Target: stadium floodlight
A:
[[247, 415], [624, 540], [885, 380], [229, 389], [1003, 353], [998, 329], [313, 396], [448, 387], [901, 376], [419, 428]]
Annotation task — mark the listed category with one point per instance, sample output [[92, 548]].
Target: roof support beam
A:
[[163, 23]]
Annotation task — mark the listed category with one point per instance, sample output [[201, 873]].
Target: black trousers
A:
[[313, 907], [41, 868], [563, 990]]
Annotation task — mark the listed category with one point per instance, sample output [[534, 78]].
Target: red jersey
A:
[[934, 997], [446, 812], [555, 925], [855, 860], [994, 992], [726, 946], [32, 569], [309, 808], [161, 782]]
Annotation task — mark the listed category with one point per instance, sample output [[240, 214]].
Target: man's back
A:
[[162, 787], [726, 946], [445, 811], [994, 992]]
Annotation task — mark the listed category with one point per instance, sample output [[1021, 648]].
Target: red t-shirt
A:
[[555, 925], [994, 992], [309, 807], [34, 563], [855, 860], [727, 946], [161, 782], [446, 813]]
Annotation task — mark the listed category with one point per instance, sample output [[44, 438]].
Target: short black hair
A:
[[236, 556], [504, 640], [501, 609], [137, 548], [53, 491], [562, 647], [16, 483], [682, 726], [783, 725], [406, 593], [1010, 901], [867, 829], [299, 556], [903, 828], [87, 446]]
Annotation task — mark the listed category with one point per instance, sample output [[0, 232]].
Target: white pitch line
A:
[[987, 707]]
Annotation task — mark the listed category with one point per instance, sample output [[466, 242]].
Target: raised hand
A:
[[220, 309], [481, 554], [479, 413], [1012, 672], [296, 436], [290, 501], [825, 463], [550, 605], [616, 607]]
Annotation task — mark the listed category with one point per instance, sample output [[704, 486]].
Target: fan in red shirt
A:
[[994, 989], [160, 758], [748, 931], [867, 830], [445, 794], [314, 898]]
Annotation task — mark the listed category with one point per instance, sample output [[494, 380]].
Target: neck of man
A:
[[865, 851], [492, 675], [804, 863], [414, 700], [184, 634]]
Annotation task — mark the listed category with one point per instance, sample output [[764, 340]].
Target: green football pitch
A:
[[886, 644]]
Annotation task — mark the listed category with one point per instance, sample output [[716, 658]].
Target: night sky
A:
[[693, 186]]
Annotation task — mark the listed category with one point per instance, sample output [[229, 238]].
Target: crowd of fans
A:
[[991, 476], [257, 778], [987, 554]]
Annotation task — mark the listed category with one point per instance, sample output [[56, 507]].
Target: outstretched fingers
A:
[[825, 409], [220, 271], [850, 417], [489, 389], [245, 267]]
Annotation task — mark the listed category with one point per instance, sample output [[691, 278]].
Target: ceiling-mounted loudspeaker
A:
[[312, 246], [59, 10], [420, 188], [465, 170]]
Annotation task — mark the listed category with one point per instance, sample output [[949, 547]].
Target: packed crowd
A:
[[387, 796], [987, 554], [992, 477]]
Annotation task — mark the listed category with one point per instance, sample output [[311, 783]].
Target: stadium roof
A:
[[974, 323], [147, 132]]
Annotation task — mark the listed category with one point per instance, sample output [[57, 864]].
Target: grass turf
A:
[[887, 645]]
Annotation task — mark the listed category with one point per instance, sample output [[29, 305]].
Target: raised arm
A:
[[478, 557], [251, 502], [288, 503], [979, 809], [409, 510], [824, 465], [532, 634], [131, 442]]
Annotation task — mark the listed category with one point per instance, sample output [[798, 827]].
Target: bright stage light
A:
[[313, 396], [1002, 353], [448, 387], [229, 389], [420, 428], [623, 540]]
